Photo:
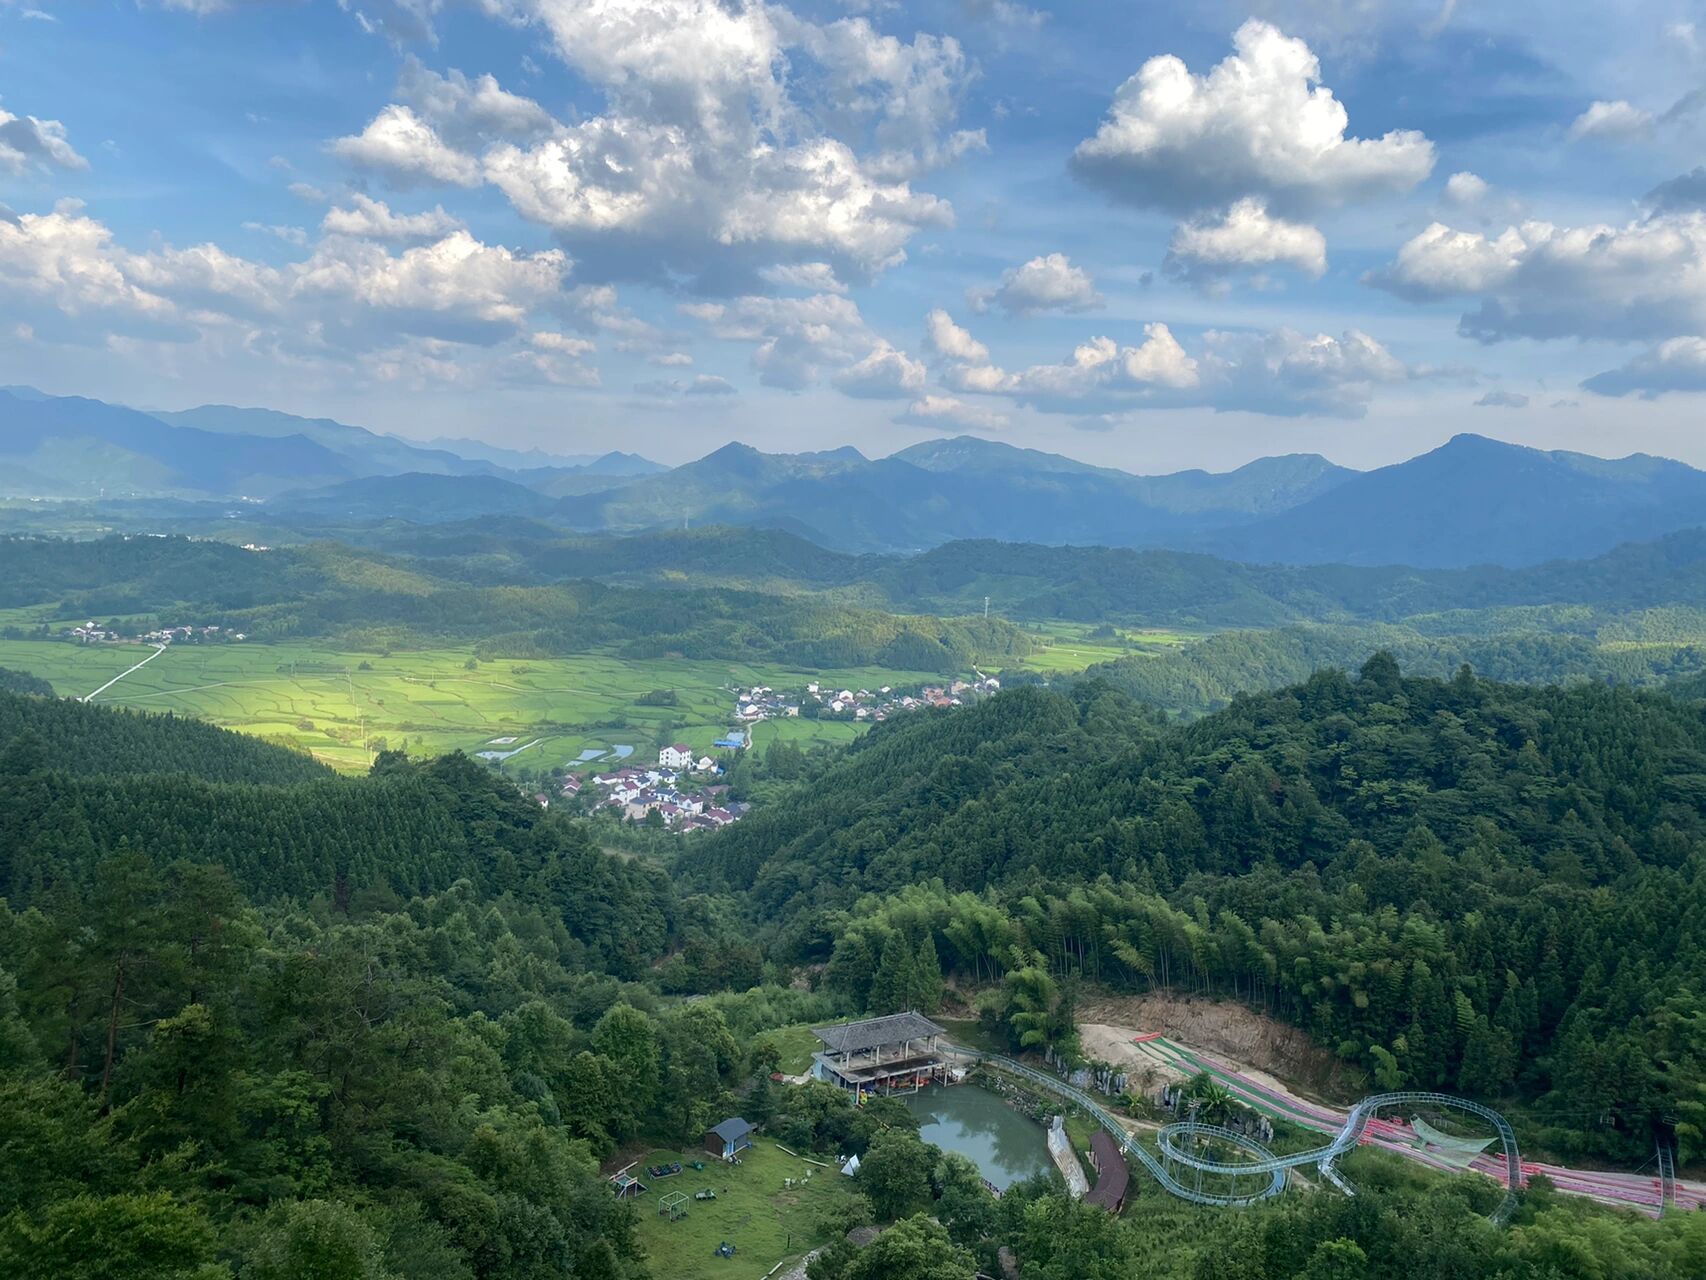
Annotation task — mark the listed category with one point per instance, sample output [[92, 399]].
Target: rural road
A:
[[158, 650]]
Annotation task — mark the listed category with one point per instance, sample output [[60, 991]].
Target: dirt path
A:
[[158, 650], [1256, 1044]]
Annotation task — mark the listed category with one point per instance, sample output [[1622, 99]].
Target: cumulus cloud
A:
[[1281, 372], [349, 301], [1048, 283], [730, 139], [1245, 237], [946, 339], [405, 148], [794, 340], [938, 413], [1646, 279], [1497, 399], [28, 143], [1259, 124], [373, 220], [467, 110], [887, 373], [1616, 121], [1676, 364], [1465, 188]]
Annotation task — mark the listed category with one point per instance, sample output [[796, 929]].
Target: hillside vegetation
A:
[[1457, 884]]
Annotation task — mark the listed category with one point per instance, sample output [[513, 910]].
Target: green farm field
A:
[[1067, 647], [343, 706]]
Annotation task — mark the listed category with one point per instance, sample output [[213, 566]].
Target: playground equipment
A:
[[674, 1205], [664, 1170], [1182, 1155], [726, 1250]]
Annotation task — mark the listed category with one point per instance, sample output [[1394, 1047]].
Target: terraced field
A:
[[344, 706]]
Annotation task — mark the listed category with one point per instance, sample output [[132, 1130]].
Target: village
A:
[[95, 633], [824, 702], [681, 789]]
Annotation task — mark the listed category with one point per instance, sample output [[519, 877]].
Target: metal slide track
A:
[[1177, 1142], [1667, 1178]]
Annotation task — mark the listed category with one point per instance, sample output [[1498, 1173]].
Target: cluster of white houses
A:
[[685, 803], [95, 633]]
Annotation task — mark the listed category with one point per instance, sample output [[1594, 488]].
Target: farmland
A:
[[343, 706]]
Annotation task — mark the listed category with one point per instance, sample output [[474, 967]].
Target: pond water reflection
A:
[[1006, 1146]]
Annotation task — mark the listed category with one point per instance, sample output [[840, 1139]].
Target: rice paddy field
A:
[[344, 706], [1067, 647]]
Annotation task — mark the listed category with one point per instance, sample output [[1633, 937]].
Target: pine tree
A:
[[893, 985], [927, 976]]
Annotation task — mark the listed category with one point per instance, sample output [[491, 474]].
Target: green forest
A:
[[257, 1020]]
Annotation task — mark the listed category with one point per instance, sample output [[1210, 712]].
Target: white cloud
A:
[[794, 339], [399, 144], [561, 343], [1246, 236], [813, 277], [465, 110], [288, 234], [1612, 122], [1048, 283], [937, 413], [1676, 364], [731, 138], [948, 340], [1465, 188], [1500, 399], [1259, 124], [887, 373], [672, 359], [709, 384], [1282, 372], [64, 274], [1646, 279], [373, 220], [28, 143]]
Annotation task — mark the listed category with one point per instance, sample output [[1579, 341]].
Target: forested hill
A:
[[380, 1028], [365, 600], [1207, 675], [71, 737], [1456, 883]]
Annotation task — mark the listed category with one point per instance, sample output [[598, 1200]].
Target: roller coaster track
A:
[[1667, 1178], [1179, 1143]]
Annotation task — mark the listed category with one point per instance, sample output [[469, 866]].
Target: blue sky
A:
[[1148, 235]]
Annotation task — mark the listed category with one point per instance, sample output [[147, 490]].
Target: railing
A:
[[1264, 1161]]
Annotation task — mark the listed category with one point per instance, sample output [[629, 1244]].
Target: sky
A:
[[1147, 235]]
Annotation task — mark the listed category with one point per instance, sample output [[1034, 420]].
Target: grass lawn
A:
[[797, 1044], [343, 706], [753, 1211]]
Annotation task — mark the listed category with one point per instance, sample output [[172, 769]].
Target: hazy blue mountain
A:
[[945, 490], [66, 446], [1479, 501], [367, 452]]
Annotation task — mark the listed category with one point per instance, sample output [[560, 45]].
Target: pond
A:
[[1005, 1146]]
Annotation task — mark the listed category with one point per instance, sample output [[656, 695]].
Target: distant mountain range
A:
[[1471, 501], [70, 447]]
